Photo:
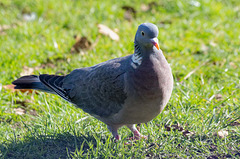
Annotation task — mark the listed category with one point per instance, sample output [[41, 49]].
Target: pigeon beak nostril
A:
[[155, 42]]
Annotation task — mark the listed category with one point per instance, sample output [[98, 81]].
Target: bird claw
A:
[[138, 137], [135, 138]]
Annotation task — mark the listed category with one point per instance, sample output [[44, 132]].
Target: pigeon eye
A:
[[142, 33]]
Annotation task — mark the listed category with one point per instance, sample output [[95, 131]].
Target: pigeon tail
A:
[[30, 82]]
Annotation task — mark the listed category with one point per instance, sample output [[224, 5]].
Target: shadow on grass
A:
[[52, 146]]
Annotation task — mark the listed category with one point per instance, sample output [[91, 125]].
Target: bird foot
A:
[[135, 138], [138, 137]]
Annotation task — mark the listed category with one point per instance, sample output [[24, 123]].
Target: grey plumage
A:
[[122, 91]]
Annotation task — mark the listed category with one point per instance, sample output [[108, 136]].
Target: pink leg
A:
[[136, 133], [114, 131]]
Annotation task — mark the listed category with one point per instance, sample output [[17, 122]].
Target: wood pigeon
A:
[[122, 91]]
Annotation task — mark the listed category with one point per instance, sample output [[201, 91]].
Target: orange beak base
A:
[[155, 43]]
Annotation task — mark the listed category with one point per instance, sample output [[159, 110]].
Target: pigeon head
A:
[[146, 35]]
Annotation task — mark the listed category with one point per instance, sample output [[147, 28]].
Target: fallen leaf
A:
[[29, 70], [148, 7], [233, 65], [26, 71], [50, 61], [221, 134], [168, 128], [16, 125], [235, 123], [11, 88], [145, 7], [81, 44], [44, 65], [22, 103], [6, 27], [174, 127], [130, 12], [187, 133], [218, 96], [177, 127], [33, 112], [212, 147], [19, 111], [166, 22], [103, 29]]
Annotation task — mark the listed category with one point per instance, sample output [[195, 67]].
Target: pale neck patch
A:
[[136, 57]]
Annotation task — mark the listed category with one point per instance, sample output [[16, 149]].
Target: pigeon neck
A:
[[137, 56]]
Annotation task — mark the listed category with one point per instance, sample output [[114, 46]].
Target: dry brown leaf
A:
[[149, 7], [11, 88], [187, 133], [130, 12], [16, 125], [177, 127], [168, 128], [235, 123], [233, 65], [26, 71], [221, 134], [7, 27], [19, 111], [145, 7], [33, 112], [103, 29], [3, 33], [81, 44], [44, 65], [22, 103], [174, 127], [163, 22], [218, 96]]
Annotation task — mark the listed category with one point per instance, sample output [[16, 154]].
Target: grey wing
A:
[[98, 90]]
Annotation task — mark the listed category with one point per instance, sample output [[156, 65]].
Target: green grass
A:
[[190, 35]]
